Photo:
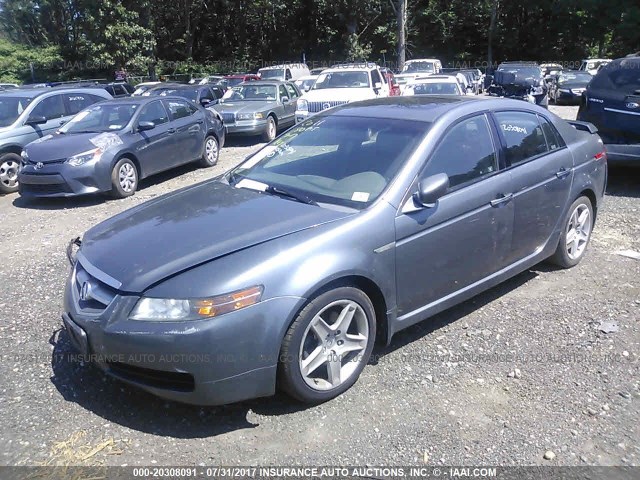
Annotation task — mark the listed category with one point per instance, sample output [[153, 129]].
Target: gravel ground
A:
[[499, 380]]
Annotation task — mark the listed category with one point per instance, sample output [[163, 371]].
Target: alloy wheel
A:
[[578, 231], [333, 344], [211, 150], [127, 177]]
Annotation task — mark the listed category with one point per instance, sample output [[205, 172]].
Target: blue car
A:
[[355, 224], [110, 146]]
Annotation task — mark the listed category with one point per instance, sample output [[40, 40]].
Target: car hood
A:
[[51, 148], [160, 238], [338, 94], [243, 107]]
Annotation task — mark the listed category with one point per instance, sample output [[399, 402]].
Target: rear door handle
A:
[[502, 198], [171, 131], [563, 172]]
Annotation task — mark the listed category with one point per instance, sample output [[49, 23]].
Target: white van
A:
[[418, 67], [287, 72]]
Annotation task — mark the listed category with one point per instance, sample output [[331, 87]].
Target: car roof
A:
[[437, 78], [425, 108], [139, 100], [422, 60], [36, 92], [265, 82]]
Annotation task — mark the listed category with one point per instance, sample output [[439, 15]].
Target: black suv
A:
[[612, 103], [520, 80]]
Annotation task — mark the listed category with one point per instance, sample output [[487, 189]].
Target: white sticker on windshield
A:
[[360, 196], [251, 184]]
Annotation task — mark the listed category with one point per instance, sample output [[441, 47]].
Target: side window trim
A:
[[557, 134]]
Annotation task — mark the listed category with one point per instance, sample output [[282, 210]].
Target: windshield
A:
[[436, 89], [306, 84], [575, 77], [251, 92], [524, 72], [272, 73], [181, 92], [11, 108], [348, 161], [232, 82], [624, 78], [412, 67], [100, 118], [342, 80]]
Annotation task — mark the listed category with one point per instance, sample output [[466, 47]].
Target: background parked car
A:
[[198, 94], [143, 87], [230, 81], [341, 84], [211, 79], [520, 80], [567, 87], [612, 103], [389, 77], [592, 65], [259, 108], [118, 89], [418, 67], [305, 83], [285, 72], [110, 146], [27, 114], [434, 85]]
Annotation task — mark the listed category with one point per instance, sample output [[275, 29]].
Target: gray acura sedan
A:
[[357, 223]]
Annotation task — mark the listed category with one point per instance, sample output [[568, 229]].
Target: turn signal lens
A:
[[212, 307]]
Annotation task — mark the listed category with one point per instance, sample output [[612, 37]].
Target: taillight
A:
[[601, 156]]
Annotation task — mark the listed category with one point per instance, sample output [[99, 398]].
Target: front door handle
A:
[[563, 172], [502, 198]]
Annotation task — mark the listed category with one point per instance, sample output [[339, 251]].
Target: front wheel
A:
[[270, 132], [9, 168], [576, 233], [211, 152], [328, 345], [124, 179]]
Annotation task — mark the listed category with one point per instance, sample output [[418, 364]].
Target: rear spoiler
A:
[[583, 126]]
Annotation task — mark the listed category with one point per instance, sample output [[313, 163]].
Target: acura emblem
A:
[[85, 291], [633, 105], [325, 105], [39, 165]]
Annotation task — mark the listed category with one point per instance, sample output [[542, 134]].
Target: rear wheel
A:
[[211, 152], [575, 235], [270, 133], [328, 345], [124, 179], [9, 168]]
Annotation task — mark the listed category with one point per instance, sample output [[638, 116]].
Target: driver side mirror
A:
[[285, 99], [144, 126], [430, 190], [36, 120], [205, 101], [377, 86]]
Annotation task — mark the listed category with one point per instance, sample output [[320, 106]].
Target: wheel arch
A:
[[361, 282], [13, 148], [591, 195]]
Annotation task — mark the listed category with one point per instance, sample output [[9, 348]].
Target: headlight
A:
[[249, 116], [577, 91], [564, 90], [537, 91], [172, 309], [303, 105], [84, 157]]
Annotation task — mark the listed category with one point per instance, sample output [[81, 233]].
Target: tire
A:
[[272, 127], [124, 178], [573, 242], [9, 168], [339, 348], [211, 152]]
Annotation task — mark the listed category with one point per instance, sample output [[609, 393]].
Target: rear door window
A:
[[522, 135], [79, 101], [179, 109], [554, 140]]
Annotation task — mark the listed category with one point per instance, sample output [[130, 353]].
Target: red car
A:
[[394, 88], [233, 80]]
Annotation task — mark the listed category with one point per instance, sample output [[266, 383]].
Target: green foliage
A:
[[85, 38]]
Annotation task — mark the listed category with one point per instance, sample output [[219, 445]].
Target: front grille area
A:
[[228, 117], [180, 382], [45, 189], [315, 107], [97, 295]]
